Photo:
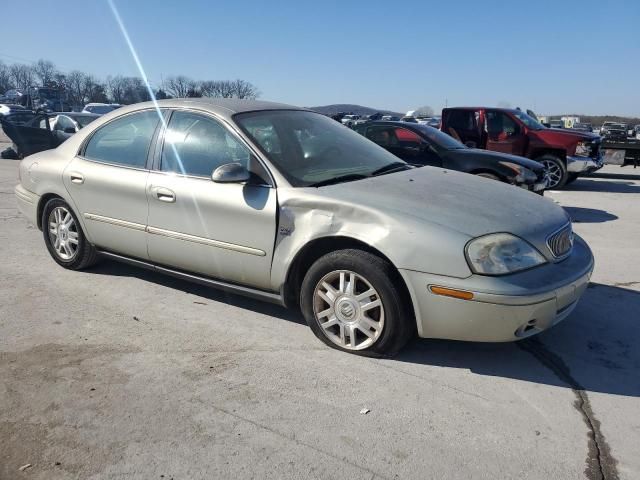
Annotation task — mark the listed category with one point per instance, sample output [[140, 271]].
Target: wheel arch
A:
[[44, 199], [316, 248], [541, 152]]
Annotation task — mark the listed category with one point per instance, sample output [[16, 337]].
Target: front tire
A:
[[351, 300], [572, 177], [556, 169], [64, 237]]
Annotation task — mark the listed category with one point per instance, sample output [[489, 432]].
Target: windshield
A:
[[83, 120], [309, 148], [440, 139], [530, 122]]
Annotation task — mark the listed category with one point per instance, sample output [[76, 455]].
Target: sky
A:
[[554, 57]]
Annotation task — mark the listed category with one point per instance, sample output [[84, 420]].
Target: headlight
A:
[[523, 175], [583, 149], [501, 253]]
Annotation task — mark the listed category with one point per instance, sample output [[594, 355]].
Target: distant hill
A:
[[350, 108]]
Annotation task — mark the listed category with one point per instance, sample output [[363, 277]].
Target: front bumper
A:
[[27, 203], [584, 164], [503, 308]]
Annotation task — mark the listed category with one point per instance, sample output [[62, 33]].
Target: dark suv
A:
[[419, 145]]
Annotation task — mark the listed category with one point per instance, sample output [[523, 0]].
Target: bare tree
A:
[[180, 86], [76, 82], [5, 78], [44, 70], [115, 88], [244, 89], [21, 76]]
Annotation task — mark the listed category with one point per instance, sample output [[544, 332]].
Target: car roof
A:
[[224, 107]]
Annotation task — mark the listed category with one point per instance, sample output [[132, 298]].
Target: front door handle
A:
[[164, 194], [76, 177]]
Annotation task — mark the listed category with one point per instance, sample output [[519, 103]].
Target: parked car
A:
[[8, 108], [556, 124], [636, 131], [100, 108], [614, 131], [390, 118], [350, 120], [409, 119], [565, 153], [311, 215], [30, 133], [34, 132], [71, 122], [421, 145]]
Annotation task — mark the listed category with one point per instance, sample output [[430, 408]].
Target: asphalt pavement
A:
[[117, 372]]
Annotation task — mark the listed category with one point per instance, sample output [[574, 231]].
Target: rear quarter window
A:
[[124, 141]]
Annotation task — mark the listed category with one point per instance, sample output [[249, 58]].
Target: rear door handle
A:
[[76, 177], [164, 194]]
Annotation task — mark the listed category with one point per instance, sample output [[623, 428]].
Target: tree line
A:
[[82, 88]]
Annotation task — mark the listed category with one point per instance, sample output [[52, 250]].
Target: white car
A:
[[100, 108], [6, 109]]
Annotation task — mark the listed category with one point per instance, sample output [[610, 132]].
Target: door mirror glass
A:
[[233, 172]]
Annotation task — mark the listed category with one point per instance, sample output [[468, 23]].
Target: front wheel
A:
[[556, 170], [572, 177], [352, 302]]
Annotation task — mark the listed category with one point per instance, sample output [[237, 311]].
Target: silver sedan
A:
[[289, 206]]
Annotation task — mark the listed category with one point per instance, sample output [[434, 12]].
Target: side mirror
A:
[[69, 130], [230, 173], [470, 144]]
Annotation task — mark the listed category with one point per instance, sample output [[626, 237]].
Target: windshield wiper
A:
[[339, 179], [392, 167]]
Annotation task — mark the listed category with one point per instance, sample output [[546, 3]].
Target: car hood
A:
[[576, 134], [498, 157], [454, 201]]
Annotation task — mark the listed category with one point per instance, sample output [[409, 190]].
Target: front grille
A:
[[561, 242]]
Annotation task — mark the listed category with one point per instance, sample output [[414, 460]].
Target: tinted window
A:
[[390, 136], [197, 145], [124, 141]]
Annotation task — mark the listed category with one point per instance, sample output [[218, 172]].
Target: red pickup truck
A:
[[565, 153]]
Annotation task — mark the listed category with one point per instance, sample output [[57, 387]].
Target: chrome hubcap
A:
[[554, 173], [63, 233], [348, 309]]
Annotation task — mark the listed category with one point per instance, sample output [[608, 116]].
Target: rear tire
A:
[[64, 237], [352, 301], [556, 169]]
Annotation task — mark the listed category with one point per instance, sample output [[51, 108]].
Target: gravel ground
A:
[[121, 373]]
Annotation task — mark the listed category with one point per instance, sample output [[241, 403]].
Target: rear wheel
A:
[[64, 237], [351, 301], [556, 170]]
